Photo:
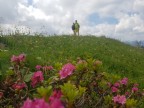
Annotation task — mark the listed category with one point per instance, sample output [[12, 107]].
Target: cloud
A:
[[120, 19]]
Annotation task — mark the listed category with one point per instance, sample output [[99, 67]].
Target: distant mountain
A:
[[135, 43]]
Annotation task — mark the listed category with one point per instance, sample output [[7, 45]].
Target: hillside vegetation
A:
[[117, 57]]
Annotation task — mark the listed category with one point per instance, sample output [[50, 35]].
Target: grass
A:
[[117, 57]]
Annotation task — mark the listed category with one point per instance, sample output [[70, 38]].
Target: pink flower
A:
[[22, 57], [14, 58], [56, 104], [19, 86], [36, 103], [40, 103], [119, 99], [56, 95], [134, 89], [38, 67], [36, 78], [117, 84], [67, 70], [136, 85], [114, 89], [1, 95], [18, 59], [47, 68], [127, 93], [28, 104], [124, 81]]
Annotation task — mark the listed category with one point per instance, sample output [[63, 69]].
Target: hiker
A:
[[73, 28], [77, 27]]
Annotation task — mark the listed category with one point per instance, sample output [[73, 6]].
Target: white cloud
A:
[[57, 16]]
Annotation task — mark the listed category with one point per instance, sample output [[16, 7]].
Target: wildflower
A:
[[45, 68], [18, 59], [36, 103], [38, 67], [56, 95], [21, 57], [67, 70], [36, 78], [14, 58], [124, 81], [1, 95], [114, 89], [119, 99], [56, 104], [134, 89], [127, 93], [136, 85], [19, 86], [117, 84]]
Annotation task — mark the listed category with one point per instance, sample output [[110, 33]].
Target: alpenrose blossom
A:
[[56, 103], [114, 89], [38, 67], [36, 103], [40, 103], [37, 78], [67, 70], [119, 99], [124, 81], [1, 95], [134, 89], [117, 84], [57, 94], [18, 86], [22, 57], [18, 59], [127, 93], [47, 68]]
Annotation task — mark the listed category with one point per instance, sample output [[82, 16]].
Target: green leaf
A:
[[44, 92], [71, 92], [131, 103], [10, 72], [27, 77]]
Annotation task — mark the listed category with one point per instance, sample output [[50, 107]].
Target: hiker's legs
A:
[[74, 32], [78, 32]]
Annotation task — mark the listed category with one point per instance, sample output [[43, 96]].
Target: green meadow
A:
[[117, 57]]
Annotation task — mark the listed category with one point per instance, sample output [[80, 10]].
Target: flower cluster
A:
[[44, 68], [37, 78], [56, 95], [19, 86], [124, 81], [41, 103], [36, 103], [18, 59], [119, 99], [67, 70]]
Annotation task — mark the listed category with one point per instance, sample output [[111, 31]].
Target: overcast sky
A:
[[119, 19]]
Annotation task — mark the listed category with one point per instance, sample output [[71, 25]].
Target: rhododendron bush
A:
[[76, 84]]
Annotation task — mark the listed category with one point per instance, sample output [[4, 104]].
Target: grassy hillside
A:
[[117, 57]]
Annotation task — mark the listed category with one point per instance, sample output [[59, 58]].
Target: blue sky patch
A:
[[30, 2], [96, 19]]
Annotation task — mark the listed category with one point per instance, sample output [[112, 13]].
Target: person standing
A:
[[77, 27]]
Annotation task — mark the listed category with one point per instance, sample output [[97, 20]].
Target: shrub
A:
[[79, 84]]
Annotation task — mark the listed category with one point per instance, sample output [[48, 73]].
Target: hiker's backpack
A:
[[73, 27]]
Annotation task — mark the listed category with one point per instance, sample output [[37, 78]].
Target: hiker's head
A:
[[76, 21]]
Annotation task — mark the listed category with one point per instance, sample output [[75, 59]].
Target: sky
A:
[[118, 19]]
